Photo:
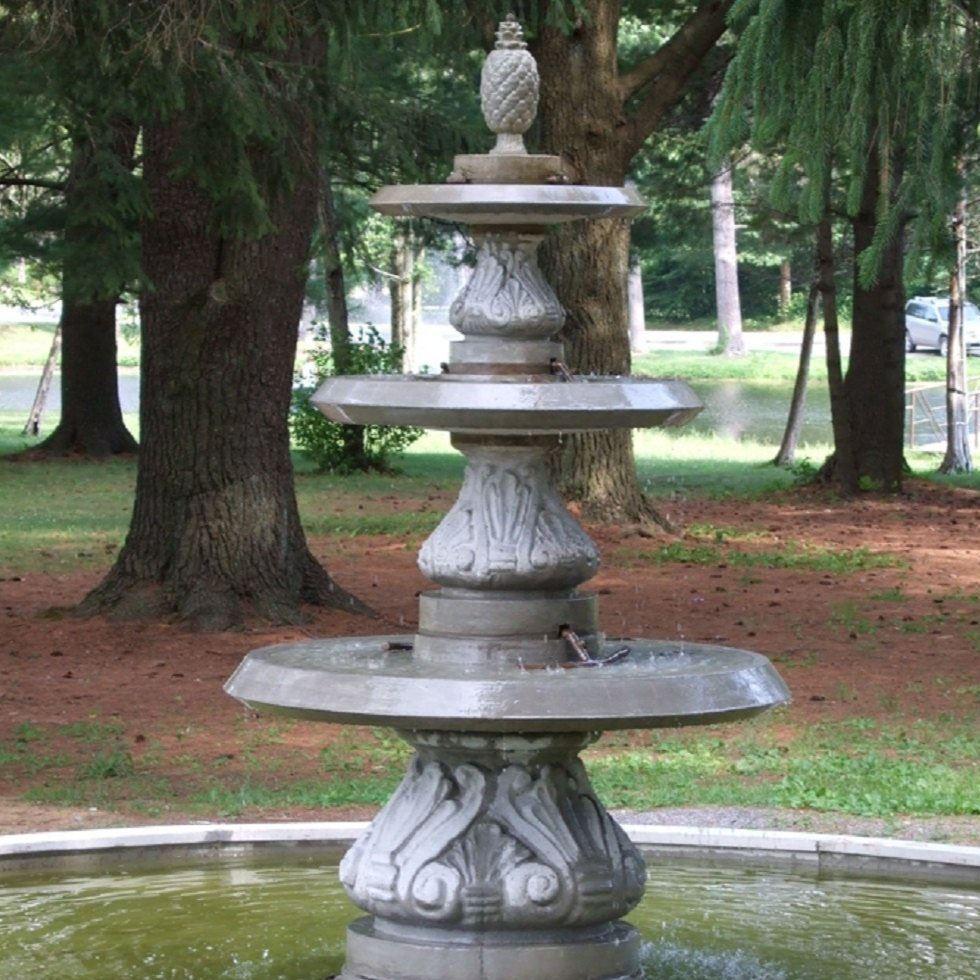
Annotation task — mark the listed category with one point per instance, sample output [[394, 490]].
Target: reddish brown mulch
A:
[[842, 651]]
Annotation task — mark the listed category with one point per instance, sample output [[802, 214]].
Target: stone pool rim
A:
[[928, 862]]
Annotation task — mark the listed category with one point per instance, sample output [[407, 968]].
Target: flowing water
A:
[[249, 919]]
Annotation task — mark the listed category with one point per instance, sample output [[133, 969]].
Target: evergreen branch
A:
[[671, 66], [51, 185], [970, 9], [669, 53], [12, 167], [404, 30]]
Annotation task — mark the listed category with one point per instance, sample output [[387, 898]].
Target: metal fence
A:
[[925, 415]]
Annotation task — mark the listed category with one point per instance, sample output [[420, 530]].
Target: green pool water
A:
[[284, 918]]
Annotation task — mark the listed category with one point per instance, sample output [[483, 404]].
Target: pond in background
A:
[[17, 392], [749, 410], [737, 409]]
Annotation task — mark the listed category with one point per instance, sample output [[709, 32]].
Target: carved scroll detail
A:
[[507, 295], [508, 529], [492, 848]]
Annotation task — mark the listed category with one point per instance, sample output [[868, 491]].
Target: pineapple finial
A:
[[510, 34], [509, 88]]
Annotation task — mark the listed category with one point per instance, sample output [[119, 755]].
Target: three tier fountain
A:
[[494, 858]]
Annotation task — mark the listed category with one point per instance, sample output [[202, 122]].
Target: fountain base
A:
[[493, 858], [609, 953]]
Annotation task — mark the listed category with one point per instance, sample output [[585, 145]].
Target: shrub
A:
[[322, 439]]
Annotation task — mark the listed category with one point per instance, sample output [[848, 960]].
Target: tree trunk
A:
[[958, 458], [91, 419], [415, 319], [587, 261], [400, 291], [794, 423], [875, 379], [730, 339], [840, 465], [599, 120], [33, 425], [352, 436], [637, 317], [785, 287], [215, 531]]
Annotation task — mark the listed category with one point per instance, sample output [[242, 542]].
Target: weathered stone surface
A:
[[375, 949], [509, 88], [507, 203], [376, 680], [507, 296], [464, 404], [508, 529], [495, 832], [513, 168]]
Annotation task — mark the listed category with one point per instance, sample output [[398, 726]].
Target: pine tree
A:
[[866, 103], [231, 100], [70, 163]]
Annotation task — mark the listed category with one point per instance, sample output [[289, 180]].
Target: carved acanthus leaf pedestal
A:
[[509, 528], [495, 835], [507, 295], [495, 832]]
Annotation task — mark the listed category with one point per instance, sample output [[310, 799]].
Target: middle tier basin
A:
[[487, 404], [374, 680]]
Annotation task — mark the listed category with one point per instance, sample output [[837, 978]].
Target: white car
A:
[[927, 324]]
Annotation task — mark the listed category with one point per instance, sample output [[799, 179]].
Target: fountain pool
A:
[[284, 915]]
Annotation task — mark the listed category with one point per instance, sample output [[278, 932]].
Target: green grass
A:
[[764, 366], [26, 346], [230, 801], [853, 767], [858, 766], [839, 561], [62, 515], [709, 324]]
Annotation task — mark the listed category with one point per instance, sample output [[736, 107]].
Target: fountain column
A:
[[494, 859]]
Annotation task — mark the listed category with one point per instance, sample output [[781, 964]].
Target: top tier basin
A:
[[507, 204]]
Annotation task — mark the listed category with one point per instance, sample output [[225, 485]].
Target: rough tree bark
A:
[[338, 319], [785, 286], [91, 420], [599, 119], [727, 301], [400, 291], [875, 381], [786, 455], [958, 458], [215, 531]]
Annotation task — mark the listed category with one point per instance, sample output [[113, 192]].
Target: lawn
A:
[[26, 345], [869, 609], [770, 366], [44, 528]]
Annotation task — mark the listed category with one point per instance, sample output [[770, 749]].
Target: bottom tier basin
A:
[[375, 680]]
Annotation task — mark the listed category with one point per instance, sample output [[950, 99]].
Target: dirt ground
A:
[[845, 645]]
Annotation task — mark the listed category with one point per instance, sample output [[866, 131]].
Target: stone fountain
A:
[[494, 858]]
